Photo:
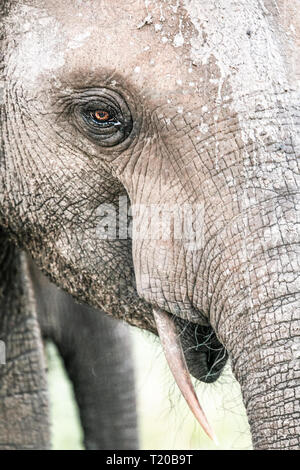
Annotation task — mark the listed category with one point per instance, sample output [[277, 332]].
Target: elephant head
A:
[[149, 165]]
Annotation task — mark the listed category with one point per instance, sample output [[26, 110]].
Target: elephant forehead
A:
[[160, 48], [150, 44]]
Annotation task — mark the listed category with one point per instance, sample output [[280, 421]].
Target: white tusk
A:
[[174, 354]]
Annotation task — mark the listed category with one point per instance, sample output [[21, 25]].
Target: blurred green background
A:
[[165, 420]]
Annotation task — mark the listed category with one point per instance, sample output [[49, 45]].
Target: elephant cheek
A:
[[165, 276]]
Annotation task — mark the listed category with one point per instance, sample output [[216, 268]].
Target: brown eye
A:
[[104, 117], [101, 116]]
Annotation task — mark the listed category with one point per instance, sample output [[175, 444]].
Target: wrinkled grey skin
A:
[[24, 416], [210, 115], [96, 351]]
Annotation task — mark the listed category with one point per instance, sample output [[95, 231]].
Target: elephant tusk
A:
[[174, 354]]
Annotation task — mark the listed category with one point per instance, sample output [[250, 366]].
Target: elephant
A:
[[96, 352], [149, 167]]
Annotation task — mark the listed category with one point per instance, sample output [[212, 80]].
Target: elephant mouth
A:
[[204, 354], [190, 348]]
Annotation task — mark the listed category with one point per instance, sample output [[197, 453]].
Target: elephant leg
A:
[[24, 422], [96, 351]]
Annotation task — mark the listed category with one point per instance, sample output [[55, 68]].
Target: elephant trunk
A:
[[263, 342], [255, 302], [268, 369]]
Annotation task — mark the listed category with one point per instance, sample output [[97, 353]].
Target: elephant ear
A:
[[175, 357]]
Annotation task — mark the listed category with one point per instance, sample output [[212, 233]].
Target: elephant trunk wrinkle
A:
[[175, 357], [264, 348]]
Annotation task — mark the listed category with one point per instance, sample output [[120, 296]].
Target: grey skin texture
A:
[[96, 351], [205, 99], [24, 417]]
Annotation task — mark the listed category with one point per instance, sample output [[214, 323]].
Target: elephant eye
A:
[[101, 116], [104, 117]]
